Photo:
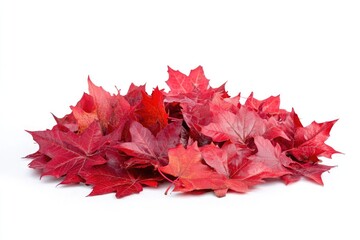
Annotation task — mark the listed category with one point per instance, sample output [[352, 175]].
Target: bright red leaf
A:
[[151, 111]]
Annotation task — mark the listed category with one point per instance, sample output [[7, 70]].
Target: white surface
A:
[[306, 51]]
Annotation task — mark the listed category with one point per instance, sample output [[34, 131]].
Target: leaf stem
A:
[[168, 179], [162, 174]]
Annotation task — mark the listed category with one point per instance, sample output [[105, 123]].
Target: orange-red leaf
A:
[[190, 173]]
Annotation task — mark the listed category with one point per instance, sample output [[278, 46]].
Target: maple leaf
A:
[[39, 160], [274, 129], [194, 95], [146, 149], [308, 170], [195, 111], [190, 173], [266, 162], [85, 112], [134, 94], [309, 142], [237, 127], [68, 121], [195, 116], [71, 154], [265, 108], [124, 182], [180, 83], [288, 122], [241, 167], [231, 104], [228, 161], [110, 109], [151, 111]]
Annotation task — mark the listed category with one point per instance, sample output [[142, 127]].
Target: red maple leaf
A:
[[312, 171], [151, 111], [179, 83], [237, 127], [145, 149], [135, 94], [228, 161], [309, 142], [111, 110], [124, 182], [39, 160], [70, 154], [85, 112], [194, 96], [266, 162], [241, 167], [189, 171], [265, 108]]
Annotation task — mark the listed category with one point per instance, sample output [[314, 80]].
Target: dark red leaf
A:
[[71, 154], [106, 179], [145, 149]]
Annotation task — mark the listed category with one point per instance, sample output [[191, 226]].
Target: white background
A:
[[306, 51]]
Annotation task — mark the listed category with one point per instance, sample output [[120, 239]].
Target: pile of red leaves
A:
[[194, 136]]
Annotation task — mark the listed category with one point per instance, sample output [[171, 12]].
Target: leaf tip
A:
[[169, 69]]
